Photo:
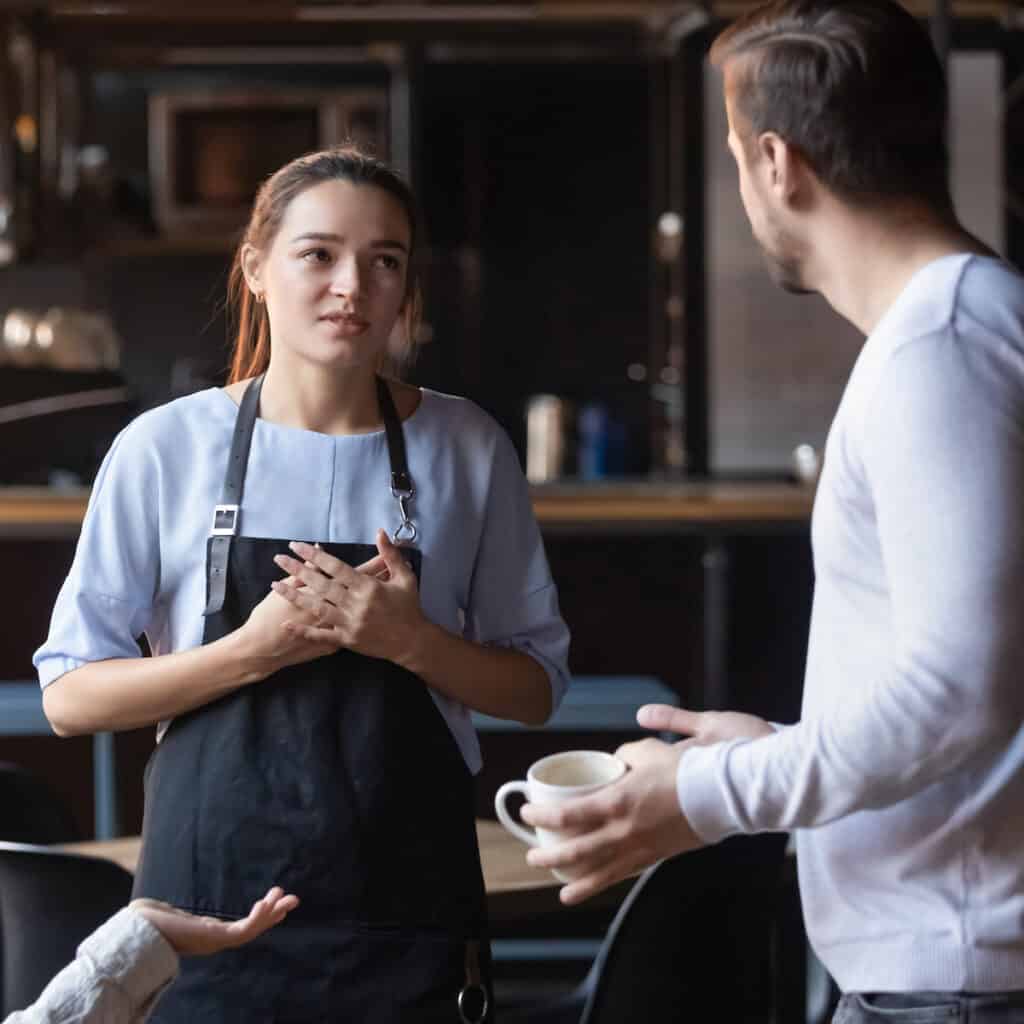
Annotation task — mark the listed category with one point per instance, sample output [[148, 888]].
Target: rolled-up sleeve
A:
[[513, 600], [106, 601]]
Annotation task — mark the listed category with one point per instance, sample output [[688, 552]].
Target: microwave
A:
[[210, 150]]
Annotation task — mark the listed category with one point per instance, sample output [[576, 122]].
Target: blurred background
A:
[[584, 237], [590, 280]]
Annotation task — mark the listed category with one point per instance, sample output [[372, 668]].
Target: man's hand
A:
[[630, 825], [620, 830], [191, 935], [703, 727]]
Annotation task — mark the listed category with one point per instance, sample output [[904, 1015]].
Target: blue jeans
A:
[[930, 1008]]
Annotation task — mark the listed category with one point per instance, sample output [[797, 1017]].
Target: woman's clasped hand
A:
[[373, 609]]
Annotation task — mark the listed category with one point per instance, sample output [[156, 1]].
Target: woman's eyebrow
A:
[[327, 236]]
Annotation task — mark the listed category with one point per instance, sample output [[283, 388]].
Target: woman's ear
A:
[[250, 263]]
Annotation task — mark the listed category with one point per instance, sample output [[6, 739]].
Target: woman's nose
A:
[[346, 280]]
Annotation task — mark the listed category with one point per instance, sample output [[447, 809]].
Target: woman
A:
[[314, 730]]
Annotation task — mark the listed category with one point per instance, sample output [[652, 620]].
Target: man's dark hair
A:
[[855, 87]]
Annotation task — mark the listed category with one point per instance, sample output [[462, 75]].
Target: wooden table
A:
[[514, 889]]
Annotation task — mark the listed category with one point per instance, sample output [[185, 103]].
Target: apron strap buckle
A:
[[401, 484], [225, 521]]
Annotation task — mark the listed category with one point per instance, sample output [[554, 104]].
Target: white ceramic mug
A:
[[553, 779]]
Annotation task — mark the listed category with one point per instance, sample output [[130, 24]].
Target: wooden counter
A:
[[602, 507], [697, 507], [41, 512]]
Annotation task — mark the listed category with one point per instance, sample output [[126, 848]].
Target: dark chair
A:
[[30, 811], [694, 940], [49, 902]]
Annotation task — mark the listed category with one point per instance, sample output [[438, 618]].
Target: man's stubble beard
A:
[[785, 272]]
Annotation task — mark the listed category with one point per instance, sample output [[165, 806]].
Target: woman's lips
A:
[[346, 326]]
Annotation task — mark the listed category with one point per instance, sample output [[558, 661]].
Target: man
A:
[[905, 776], [125, 965]]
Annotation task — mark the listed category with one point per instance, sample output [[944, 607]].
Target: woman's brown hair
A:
[[248, 318]]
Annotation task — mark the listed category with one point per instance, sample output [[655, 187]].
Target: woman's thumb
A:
[[392, 555]]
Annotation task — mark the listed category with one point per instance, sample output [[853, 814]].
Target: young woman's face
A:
[[334, 276]]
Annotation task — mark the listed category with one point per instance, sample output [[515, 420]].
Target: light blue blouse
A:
[[140, 562]]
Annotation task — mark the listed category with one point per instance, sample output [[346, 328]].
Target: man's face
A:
[[766, 210]]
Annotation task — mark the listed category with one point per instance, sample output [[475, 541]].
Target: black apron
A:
[[338, 780]]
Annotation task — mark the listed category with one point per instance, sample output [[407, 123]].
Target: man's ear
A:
[[784, 167], [250, 263]]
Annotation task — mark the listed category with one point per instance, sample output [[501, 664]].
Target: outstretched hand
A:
[[193, 935]]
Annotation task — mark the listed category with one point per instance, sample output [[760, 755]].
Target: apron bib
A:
[[337, 779]]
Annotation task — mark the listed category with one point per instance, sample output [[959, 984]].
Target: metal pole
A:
[[104, 769], [715, 563]]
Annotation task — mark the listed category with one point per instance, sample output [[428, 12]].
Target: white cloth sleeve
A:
[[120, 972], [942, 445], [512, 600], [105, 603]]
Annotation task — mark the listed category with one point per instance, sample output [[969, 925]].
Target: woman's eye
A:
[[317, 256], [389, 262]]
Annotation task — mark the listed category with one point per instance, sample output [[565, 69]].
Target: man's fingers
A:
[[665, 718], [581, 815], [583, 852], [597, 881]]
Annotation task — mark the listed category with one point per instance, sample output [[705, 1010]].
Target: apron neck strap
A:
[[227, 514], [238, 460], [401, 481], [245, 421]]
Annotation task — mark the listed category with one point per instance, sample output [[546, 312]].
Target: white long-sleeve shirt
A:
[[118, 975], [905, 774]]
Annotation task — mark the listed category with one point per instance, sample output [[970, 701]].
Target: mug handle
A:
[[519, 786]]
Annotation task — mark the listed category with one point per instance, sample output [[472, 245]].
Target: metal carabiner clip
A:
[[406, 532]]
